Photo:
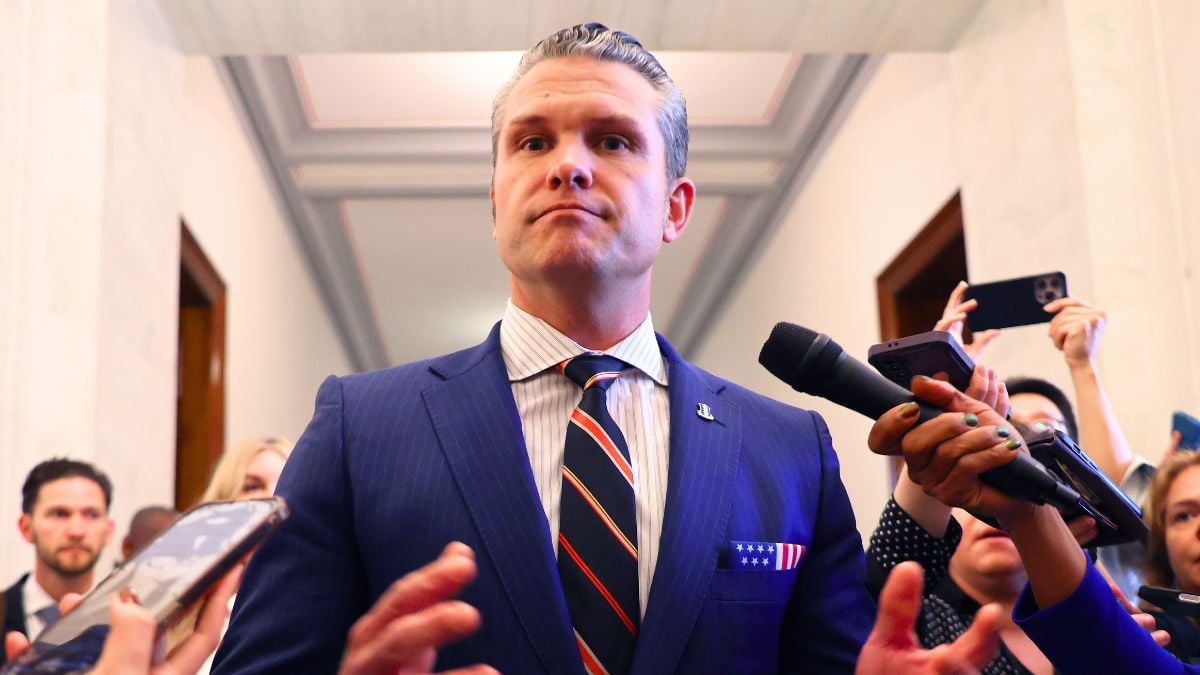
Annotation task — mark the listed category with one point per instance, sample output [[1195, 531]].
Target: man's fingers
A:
[[981, 643], [440, 580], [956, 297], [899, 606], [1058, 305], [409, 640], [14, 644]]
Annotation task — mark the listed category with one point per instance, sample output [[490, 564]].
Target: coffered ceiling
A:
[[375, 126]]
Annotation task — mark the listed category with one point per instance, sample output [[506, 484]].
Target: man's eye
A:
[[614, 143], [533, 144]]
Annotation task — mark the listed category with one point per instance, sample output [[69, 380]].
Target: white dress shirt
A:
[[637, 401], [35, 598]]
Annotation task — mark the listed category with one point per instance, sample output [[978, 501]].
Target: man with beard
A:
[[64, 505]]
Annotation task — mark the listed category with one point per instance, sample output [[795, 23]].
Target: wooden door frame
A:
[[200, 424]]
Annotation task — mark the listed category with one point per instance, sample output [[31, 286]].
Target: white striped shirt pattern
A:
[[638, 402]]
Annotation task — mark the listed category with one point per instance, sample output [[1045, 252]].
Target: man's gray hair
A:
[[599, 42]]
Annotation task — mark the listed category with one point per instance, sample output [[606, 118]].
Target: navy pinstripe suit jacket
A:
[[397, 463]]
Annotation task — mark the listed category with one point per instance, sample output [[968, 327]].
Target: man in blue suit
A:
[[590, 146]]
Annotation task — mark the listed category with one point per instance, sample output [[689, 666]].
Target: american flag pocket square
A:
[[764, 555]]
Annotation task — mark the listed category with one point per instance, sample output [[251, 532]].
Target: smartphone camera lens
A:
[[1041, 284]]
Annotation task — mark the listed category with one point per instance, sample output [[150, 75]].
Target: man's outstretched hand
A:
[[892, 647], [414, 618]]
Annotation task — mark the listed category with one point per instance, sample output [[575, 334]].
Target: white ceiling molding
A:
[[751, 170], [257, 27]]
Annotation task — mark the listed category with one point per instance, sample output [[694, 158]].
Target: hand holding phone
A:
[[1014, 302], [1171, 600], [1188, 428], [168, 576]]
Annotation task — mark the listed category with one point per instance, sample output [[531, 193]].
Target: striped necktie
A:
[[597, 538]]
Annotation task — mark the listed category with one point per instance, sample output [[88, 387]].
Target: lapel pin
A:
[[704, 412]]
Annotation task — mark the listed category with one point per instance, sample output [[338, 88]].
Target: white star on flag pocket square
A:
[[764, 555]]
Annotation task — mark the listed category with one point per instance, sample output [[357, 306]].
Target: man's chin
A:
[[74, 565]]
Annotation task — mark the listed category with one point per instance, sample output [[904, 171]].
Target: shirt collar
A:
[[530, 345], [34, 596]]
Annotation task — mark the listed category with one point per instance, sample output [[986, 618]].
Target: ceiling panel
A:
[[448, 89], [432, 272]]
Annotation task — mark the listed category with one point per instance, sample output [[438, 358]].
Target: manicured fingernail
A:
[[1040, 426], [926, 378], [1013, 443], [1002, 432], [971, 419], [909, 410]]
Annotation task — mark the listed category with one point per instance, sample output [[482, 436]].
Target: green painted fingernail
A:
[[1013, 443], [971, 419], [1002, 432], [1040, 426], [909, 409]]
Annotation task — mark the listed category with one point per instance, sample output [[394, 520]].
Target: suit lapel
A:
[[703, 462], [476, 421]]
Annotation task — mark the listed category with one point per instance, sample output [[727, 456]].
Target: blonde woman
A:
[[249, 469]]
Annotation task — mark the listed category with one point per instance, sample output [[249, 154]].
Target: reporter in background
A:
[[1067, 608], [1076, 331], [1173, 547], [249, 469]]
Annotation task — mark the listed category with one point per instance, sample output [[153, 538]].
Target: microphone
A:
[[814, 364]]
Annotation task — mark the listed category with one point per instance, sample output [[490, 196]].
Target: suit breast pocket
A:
[[750, 607]]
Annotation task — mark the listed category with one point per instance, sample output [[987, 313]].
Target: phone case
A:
[[1118, 518], [927, 354], [1014, 302], [1171, 600], [1188, 427]]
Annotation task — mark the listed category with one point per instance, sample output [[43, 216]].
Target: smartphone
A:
[[1188, 427], [922, 354], [1118, 518], [1171, 600], [1014, 302], [169, 575]]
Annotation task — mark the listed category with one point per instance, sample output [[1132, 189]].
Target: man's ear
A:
[[492, 199], [25, 525], [112, 527], [679, 208]]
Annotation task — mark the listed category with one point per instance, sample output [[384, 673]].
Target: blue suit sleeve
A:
[[1090, 632], [304, 588], [830, 614]]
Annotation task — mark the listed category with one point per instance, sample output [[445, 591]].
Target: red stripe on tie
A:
[[591, 501], [587, 572], [590, 662], [593, 429]]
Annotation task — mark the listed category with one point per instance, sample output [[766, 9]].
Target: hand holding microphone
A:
[[950, 441]]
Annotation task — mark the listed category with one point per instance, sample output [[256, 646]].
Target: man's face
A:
[[69, 525], [580, 193]]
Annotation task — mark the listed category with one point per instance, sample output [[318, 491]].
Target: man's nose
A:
[[572, 166], [76, 526]]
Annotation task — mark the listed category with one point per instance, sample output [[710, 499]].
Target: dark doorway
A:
[[200, 418], [914, 287]]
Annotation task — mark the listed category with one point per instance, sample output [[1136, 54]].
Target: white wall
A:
[[109, 137], [891, 167], [280, 342]]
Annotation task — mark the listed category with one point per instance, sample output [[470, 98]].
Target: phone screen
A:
[[170, 573]]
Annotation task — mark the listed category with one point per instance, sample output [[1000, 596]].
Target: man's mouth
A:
[[566, 206]]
